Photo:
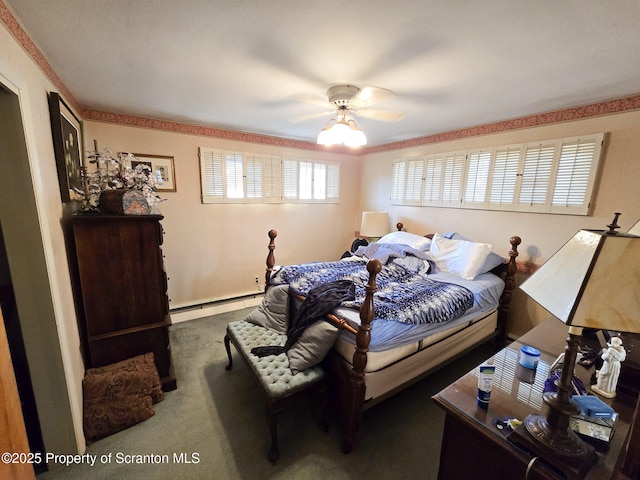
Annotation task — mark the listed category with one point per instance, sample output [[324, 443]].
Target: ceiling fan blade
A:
[[383, 115], [311, 98], [310, 116], [370, 95]]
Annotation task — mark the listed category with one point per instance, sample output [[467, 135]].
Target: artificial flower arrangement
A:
[[113, 172]]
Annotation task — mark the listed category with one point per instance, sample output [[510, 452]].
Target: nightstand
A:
[[473, 447]]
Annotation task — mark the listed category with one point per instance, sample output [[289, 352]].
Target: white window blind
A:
[[433, 180], [290, 179], [211, 176], [477, 178], [262, 178], [573, 180], [536, 174], [399, 175], [235, 177], [333, 182], [554, 176], [452, 182], [504, 177], [415, 177]]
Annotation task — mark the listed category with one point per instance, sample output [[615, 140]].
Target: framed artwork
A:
[[163, 166], [66, 130]]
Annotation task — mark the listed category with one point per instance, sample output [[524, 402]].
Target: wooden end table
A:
[[473, 447]]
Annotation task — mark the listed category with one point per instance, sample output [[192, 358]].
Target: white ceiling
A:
[[234, 64]]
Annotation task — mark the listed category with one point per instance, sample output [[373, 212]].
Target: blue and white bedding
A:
[[401, 296], [413, 298], [388, 334]]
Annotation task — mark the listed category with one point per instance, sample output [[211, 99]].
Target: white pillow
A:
[[493, 260], [406, 238], [460, 257]]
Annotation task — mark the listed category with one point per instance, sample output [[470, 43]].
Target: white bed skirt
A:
[[388, 370]]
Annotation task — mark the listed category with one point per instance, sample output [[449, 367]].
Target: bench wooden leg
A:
[[273, 411], [227, 342]]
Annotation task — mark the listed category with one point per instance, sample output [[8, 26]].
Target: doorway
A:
[[34, 344]]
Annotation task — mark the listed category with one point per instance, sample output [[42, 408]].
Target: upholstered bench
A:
[[279, 380]]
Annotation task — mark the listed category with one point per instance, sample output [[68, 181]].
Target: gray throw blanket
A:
[[320, 301]]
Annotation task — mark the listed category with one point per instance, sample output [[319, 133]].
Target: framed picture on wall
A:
[[68, 147], [163, 167]]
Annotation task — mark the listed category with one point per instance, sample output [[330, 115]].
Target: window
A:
[[306, 181], [239, 177], [234, 177], [555, 176]]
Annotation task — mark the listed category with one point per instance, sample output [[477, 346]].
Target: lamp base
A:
[[564, 451]]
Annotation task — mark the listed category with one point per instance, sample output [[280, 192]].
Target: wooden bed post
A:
[[271, 259], [355, 403], [509, 286]]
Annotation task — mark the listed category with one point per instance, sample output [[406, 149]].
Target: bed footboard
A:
[[350, 386]]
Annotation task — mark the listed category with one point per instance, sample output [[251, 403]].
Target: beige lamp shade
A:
[[593, 281], [374, 224]]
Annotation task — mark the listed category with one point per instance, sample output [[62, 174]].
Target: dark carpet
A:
[[214, 427]]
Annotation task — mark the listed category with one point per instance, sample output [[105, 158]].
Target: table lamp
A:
[[591, 282], [374, 225]]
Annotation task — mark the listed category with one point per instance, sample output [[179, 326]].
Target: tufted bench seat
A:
[[272, 372]]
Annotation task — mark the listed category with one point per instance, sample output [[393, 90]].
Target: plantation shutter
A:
[[536, 174], [413, 189], [504, 177], [433, 180], [452, 182], [290, 179], [211, 175], [477, 178], [254, 177], [271, 179], [573, 182], [333, 181], [262, 178], [399, 172]]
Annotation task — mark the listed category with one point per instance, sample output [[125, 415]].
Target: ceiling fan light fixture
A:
[[342, 132]]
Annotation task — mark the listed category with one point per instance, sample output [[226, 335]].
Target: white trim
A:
[[221, 306]]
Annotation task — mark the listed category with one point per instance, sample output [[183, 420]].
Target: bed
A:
[[420, 302]]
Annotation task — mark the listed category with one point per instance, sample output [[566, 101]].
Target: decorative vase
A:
[[123, 202]]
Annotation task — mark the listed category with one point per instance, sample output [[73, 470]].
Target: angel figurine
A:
[[607, 376]]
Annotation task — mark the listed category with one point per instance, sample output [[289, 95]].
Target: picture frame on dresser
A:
[[68, 147], [163, 166]]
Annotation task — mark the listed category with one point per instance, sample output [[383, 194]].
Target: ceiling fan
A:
[[351, 100]]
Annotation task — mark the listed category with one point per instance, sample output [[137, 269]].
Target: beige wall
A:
[[542, 234], [215, 251]]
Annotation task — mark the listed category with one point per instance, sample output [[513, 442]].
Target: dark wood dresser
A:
[[120, 287]]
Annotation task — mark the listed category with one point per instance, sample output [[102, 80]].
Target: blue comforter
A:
[[402, 295]]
